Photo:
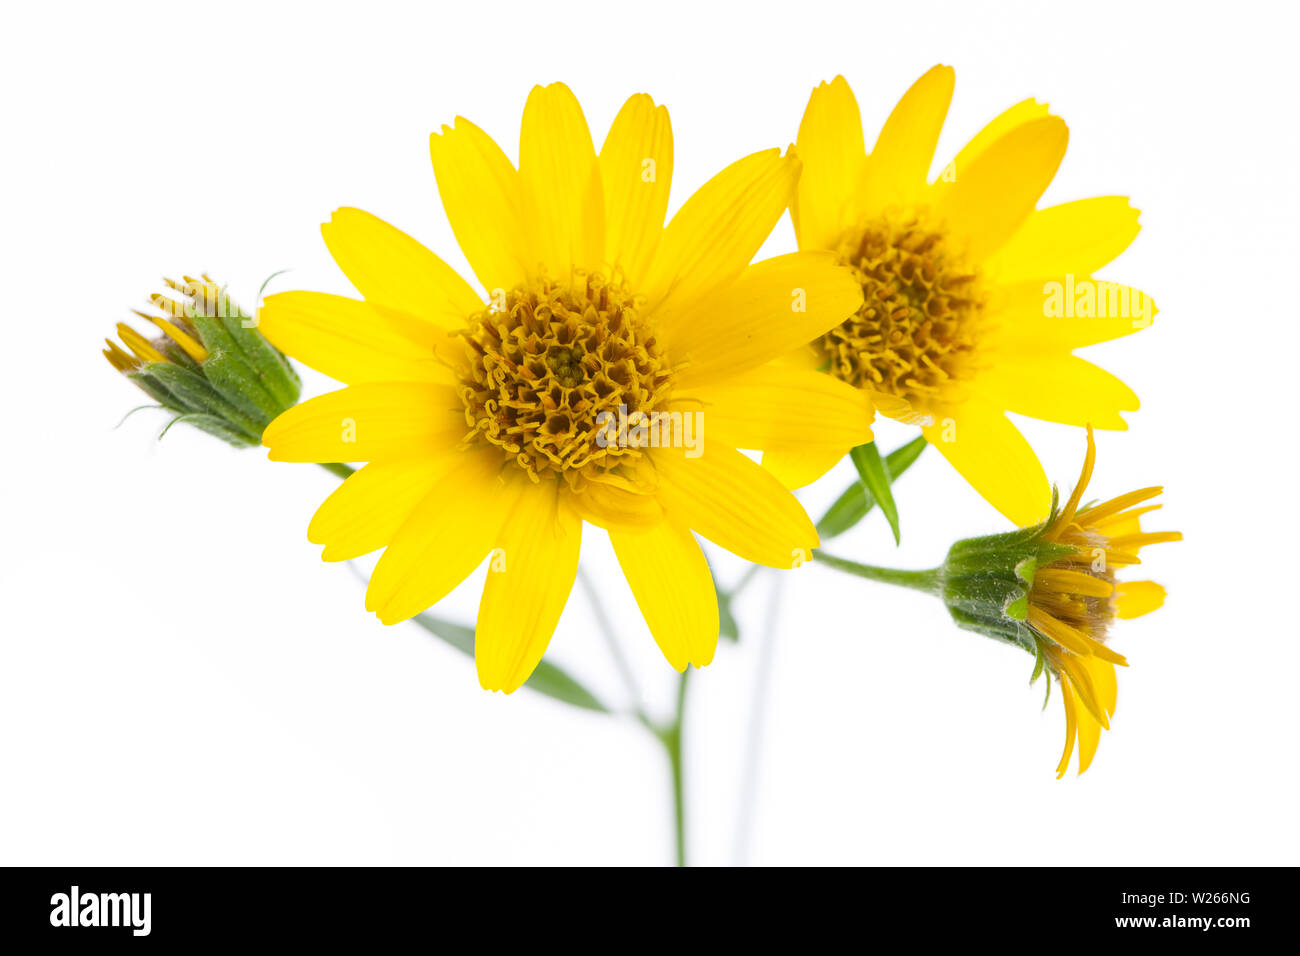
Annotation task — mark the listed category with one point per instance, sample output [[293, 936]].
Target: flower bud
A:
[[208, 364]]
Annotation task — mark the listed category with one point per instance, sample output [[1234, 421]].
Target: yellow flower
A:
[[1074, 599], [974, 300], [496, 425]]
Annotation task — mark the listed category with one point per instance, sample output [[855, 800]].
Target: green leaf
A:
[[726, 621], [546, 679], [856, 502], [875, 478]]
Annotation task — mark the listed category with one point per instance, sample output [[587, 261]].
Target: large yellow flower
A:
[[974, 300], [481, 419]]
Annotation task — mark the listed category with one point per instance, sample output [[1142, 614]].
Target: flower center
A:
[[550, 370], [918, 325], [1077, 590]]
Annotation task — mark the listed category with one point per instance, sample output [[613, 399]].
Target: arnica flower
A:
[[974, 299], [207, 364], [1053, 590], [578, 389]]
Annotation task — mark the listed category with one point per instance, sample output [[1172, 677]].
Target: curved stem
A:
[[615, 649], [928, 581], [672, 738]]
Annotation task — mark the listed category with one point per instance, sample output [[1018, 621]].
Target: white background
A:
[[183, 681]]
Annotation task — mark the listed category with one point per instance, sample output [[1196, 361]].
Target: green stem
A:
[[927, 581], [337, 468], [672, 738]]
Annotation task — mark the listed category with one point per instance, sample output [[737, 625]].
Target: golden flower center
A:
[[918, 325], [552, 368]]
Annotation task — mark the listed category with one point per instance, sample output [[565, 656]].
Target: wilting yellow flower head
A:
[[974, 299], [578, 388], [1052, 589], [209, 366]]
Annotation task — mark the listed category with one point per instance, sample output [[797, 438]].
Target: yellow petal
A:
[[1071, 727], [898, 169], [1062, 388], [636, 169], [444, 538], [717, 232], [990, 453], [1023, 112], [672, 584], [1104, 684], [1135, 598], [390, 268], [797, 467], [1053, 315], [993, 194], [345, 339], [561, 179], [377, 421], [481, 194], [529, 579], [774, 406], [1089, 735], [365, 512], [736, 504], [831, 149], [773, 308], [1075, 237]]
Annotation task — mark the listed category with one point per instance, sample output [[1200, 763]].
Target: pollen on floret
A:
[[919, 326], [541, 371]]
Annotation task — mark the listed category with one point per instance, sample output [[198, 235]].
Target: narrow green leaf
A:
[[726, 621], [875, 478], [856, 502], [546, 679]]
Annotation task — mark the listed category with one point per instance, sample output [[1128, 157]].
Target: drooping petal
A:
[[734, 503], [563, 200], [990, 453], [717, 232], [673, 586], [390, 268], [781, 407], [830, 146], [1075, 237], [345, 339], [366, 511], [898, 169], [445, 537], [636, 169], [773, 308], [1071, 727], [1135, 598], [376, 421], [528, 583], [994, 193], [481, 195]]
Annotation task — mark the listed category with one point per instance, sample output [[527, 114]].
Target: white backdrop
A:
[[183, 681]]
